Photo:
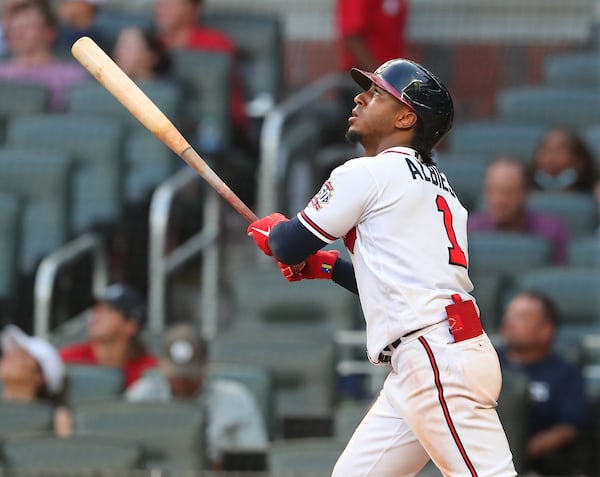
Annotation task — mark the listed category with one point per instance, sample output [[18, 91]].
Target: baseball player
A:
[[406, 232]]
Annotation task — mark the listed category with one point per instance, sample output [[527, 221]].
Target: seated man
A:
[[557, 406], [114, 335], [234, 419], [77, 18], [31, 33], [506, 189]]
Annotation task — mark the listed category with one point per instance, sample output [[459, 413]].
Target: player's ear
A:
[[405, 119]]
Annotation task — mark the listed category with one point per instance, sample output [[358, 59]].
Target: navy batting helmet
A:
[[418, 89]]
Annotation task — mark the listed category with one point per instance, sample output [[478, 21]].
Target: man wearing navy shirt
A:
[[557, 403]]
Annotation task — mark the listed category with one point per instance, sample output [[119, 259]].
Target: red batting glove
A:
[[318, 266], [260, 229]]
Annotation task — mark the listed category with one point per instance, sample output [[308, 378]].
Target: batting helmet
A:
[[418, 89]]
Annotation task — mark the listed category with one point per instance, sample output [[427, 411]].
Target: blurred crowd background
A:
[[124, 278]]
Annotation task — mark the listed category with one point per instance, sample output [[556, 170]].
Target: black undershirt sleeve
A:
[[291, 243]]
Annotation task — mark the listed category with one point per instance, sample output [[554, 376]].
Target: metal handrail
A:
[[49, 267], [162, 264], [271, 170]]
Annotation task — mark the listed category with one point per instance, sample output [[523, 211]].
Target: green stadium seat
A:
[[148, 161], [93, 382], [310, 456], [18, 97], [472, 157], [584, 252], [513, 409], [53, 456], [591, 136], [301, 362], [573, 70], [258, 380], [489, 294], [170, 434], [95, 143], [578, 211], [45, 182], [92, 98], [259, 41], [466, 179], [110, 21], [206, 82], [347, 416], [544, 105], [574, 290], [494, 138], [21, 417], [10, 242]]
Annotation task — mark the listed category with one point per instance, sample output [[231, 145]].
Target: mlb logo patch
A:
[[323, 197]]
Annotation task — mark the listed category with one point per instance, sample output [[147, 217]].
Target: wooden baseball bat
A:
[[122, 87]]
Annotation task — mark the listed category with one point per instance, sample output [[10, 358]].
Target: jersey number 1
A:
[[457, 256]]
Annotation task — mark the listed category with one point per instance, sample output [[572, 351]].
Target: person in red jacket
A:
[[114, 335], [370, 32], [179, 27]]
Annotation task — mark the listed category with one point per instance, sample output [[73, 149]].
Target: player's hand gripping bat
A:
[[114, 79]]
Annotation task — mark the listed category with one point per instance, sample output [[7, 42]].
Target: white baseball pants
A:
[[438, 403]]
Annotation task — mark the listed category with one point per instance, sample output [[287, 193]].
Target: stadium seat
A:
[[573, 70], [591, 136], [45, 182], [507, 254], [95, 143], [18, 97], [315, 457], [513, 407], [93, 382], [92, 98], [574, 291], [347, 416], [110, 21], [10, 241], [53, 456], [148, 161], [262, 296], [171, 435], [259, 41], [21, 417], [576, 107], [258, 380], [496, 138], [301, 362], [472, 157], [584, 252], [578, 211], [466, 179], [206, 82]]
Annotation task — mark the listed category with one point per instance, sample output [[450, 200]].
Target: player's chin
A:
[[353, 136]]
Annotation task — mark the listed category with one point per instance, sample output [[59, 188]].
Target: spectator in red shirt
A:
[[179, 27], [370, 32], [114, 335]]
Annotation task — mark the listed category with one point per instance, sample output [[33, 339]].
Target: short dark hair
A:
[[549, 308], [42, 6]]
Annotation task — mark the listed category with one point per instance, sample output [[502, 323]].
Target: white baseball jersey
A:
[[406, 232]]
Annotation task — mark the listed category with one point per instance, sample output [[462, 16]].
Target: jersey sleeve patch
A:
[[322, 197], [315, 229]]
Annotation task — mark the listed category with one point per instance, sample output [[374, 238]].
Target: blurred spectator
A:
[[557, 405], [563, 162], [140, 55], [179, 26], [234, 419], [114, 335], [31, 370], [371, 32], [8, 6], [506, 189], [31, 33], [77, 18]]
